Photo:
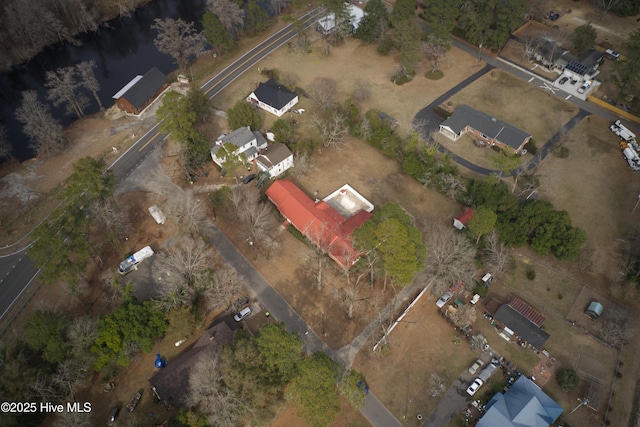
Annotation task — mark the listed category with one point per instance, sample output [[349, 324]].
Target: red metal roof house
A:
[[318, 221]]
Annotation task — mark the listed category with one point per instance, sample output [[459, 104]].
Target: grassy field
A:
[[503, 96]]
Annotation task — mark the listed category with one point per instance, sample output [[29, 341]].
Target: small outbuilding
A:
[[141, 91], [461, 220], [594, 310]]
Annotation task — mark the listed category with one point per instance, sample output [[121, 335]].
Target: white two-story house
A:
[[246, 141], [275, 159]]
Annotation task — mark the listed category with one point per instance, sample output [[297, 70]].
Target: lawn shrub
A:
[[434, 75], [561, 152], [531, 273], [385, 46]]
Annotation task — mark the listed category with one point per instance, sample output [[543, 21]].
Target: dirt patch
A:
[[592, 183], [422, 344]]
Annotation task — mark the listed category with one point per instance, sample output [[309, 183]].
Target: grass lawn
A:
[[517, 102], [422, 344]]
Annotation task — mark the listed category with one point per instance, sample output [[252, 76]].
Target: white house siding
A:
[[449, 133]]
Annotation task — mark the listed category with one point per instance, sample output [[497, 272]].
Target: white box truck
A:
[[130, 263]]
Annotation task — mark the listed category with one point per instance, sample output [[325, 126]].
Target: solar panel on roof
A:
[[577, 67]]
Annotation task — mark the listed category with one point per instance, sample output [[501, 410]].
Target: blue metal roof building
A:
[[523, 405]]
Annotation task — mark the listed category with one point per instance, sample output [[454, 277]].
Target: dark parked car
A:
[[552, 15], [249, 178], [563, 80]]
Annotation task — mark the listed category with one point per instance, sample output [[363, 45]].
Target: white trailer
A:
[[131, 263], [623, 132], [632, 158]]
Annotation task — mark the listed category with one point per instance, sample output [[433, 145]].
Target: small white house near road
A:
[[273, 97], [248, 143], [275, 159], [327, 24]]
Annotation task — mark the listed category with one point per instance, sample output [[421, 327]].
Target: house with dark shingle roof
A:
[[523, 321], [523, 405], [141, 91], [585, 67], [171, 383], [275, 159], [545, 51], [273, 97], [484, 129]]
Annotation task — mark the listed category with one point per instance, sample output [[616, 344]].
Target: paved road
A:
[[19, 271], [377, 414]]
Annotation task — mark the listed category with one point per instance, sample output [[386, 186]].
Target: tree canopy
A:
[[374, 23], [90, 178], [391, 233], [216, 34], [243, 114], [177, 116], [179, 39], [489, 22], [133, 325], [314, 389], [482, 222], [583, 38], [281, 352], [441, 16], [532, 222], [567, 379], [627, 71], [45, 332]]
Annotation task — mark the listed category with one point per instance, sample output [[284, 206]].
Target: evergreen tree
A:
[[216, 34]]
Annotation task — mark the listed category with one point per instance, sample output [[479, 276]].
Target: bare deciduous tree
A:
[[333, 128], [88, 79], [208, 394], [183, 265], [497, 255], [63, 85], [110, 216], [617, 327], [324, 91], [435, 49], [44, 132], [277, 5], [322, 240], [450, 257], [463, 316], [82, 333], [229, 14], [73, 419], [68, 375], [178, 39], [220, 292], [622, 289], [361, 90], [186, 209], [349, 295]]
